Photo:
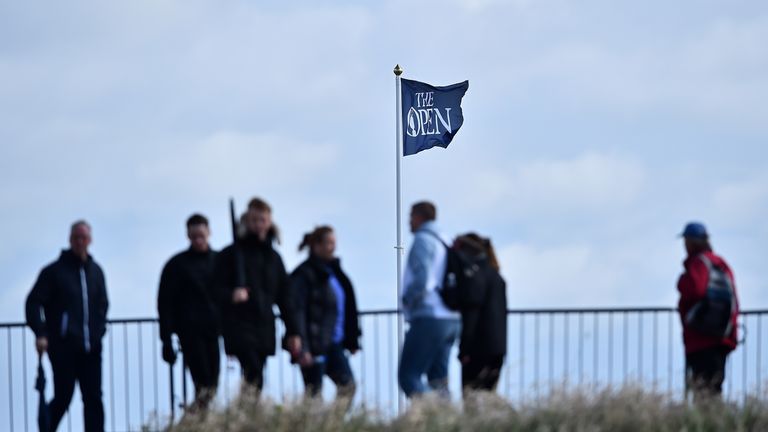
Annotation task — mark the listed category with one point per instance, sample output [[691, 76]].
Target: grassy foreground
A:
[[627, 409]]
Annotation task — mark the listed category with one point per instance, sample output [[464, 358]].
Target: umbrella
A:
[[43, 416]]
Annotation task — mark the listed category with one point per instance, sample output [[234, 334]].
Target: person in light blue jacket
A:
[[433, 328]]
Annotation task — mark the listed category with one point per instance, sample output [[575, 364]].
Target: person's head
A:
[[80, 238], [696, 238], [476, 246], [198, 232], [421, 212], [321, 242], [258, 220]]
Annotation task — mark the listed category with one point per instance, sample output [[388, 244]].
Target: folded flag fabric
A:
[[431, 115]]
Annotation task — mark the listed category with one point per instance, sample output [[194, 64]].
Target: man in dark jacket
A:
[[186, 306], [705, 353], [327, 315], [67, 311], [248, 322]]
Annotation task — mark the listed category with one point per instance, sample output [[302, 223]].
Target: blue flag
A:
[[431, 115]]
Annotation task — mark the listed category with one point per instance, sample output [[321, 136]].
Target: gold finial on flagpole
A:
[[398, 70]]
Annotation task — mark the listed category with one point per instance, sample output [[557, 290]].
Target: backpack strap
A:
[[435, 235]]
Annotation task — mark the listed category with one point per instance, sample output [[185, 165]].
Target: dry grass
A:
[[627, 409]]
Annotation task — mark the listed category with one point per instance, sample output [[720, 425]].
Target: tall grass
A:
[[626, 409]]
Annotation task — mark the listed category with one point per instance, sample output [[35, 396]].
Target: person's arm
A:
[[470, 311], [103, 302], [417, 270], [36, 300], [692, 286], [286, 303], [166, 294], [299, 291]]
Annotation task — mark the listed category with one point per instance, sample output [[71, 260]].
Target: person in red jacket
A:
[[706, 350]]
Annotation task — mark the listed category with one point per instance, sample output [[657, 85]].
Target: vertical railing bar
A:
[[670, 353], [280, 371], [744, 368], [595, 350], [508, 372], [581, 348], [10, 378], [391, 367], [566, 346], [640, 347], [625, 343], [363, 379], [69, 421], [655, 348], [759, 349], [125, 373], [24, 374], [111, 378], [610, 349], [376, 358], [141, 373], [551, 351], [536, 355], [156, 336], [522, 357]]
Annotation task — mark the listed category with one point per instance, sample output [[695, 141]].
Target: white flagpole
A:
[[399, 248]]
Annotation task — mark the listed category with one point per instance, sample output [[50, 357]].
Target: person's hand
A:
[[169, 355], [240, 295], [293, 343], [306, 360], [464, 359], [41, 344]]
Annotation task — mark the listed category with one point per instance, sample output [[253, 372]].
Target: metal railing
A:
[[548, 349]]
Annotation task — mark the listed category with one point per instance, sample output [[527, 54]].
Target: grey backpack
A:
[[712, 315]]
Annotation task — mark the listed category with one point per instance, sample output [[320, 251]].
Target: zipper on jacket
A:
[[86, 331]]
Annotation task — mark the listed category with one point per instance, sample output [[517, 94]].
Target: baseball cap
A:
[[695, 230]]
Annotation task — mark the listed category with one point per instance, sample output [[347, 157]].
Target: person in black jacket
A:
[[484, 318], [249, 278], [67, 311], [187, 306], [327, 315]]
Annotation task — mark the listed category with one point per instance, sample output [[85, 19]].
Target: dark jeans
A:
[[201, 355], [481, 373], [426, 350], [336, 366], [70, 364], [252, 363], [707, 370]]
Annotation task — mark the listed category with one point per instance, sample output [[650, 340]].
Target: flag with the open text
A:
[[431, 115]]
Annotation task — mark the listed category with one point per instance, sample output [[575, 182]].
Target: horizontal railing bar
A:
[[509, 311]]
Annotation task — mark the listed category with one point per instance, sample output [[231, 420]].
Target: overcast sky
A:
[[594, 130]]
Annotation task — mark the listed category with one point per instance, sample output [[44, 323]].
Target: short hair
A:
[[425, 209], [197, 219], [77, 223], [316, 236]]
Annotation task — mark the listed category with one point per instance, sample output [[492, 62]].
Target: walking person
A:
[[67, 311], [709, 311], [326, 310], [186, 306], [433, 328], [483, 342], [248, 322]]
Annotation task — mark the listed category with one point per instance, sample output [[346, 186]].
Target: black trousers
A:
[[72, 364], [201, 354], [707, 370], [334, 364], [481, 373], [252, 363]]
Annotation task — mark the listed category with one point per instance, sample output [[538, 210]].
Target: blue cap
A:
[[695, 230]]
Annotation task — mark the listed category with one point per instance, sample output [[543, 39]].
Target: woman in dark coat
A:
[[250, 278], [484, 318], [327, 317]]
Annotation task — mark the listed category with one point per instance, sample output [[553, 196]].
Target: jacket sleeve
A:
[[470, 312], [298, 286], [165, 296], [40, 295], [103, 305], [417, 272], [692, 285], [285, 300]]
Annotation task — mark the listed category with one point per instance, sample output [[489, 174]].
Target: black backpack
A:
[[712, 315], [461, 274]]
